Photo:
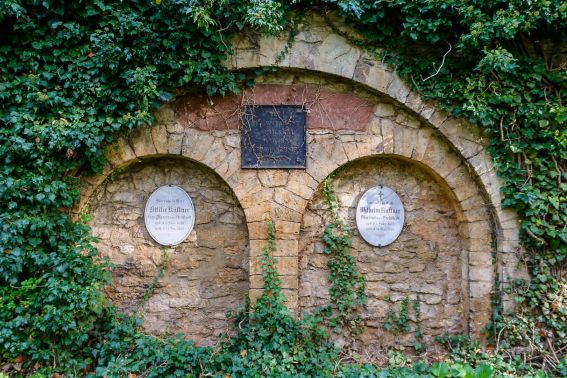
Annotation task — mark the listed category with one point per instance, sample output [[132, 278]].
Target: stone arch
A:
[[465, 235], [205, 275], [320, 47], [430, 258], [166, 139]]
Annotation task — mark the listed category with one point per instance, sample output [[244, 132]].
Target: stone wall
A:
[[427, 258], [359, 112], [206, 274]]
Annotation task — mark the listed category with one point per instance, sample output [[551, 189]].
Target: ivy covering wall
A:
[[76, 75]]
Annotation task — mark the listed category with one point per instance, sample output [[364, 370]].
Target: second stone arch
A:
[[428, 263]]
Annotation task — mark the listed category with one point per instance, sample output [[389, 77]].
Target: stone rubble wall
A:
[[427, 258], [206, 274]]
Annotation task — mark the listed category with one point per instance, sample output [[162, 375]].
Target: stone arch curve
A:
[[164, 140]]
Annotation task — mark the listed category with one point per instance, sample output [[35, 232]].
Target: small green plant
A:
[[270, 341], [400, 322], [397, 358], [418, 344], [152, 286]]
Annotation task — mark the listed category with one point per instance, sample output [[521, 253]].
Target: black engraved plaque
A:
[[273, 136]]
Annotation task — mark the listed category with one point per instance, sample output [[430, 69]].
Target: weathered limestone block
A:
[[261, 212], [414, 102], [425, 136], [301, 184], [246, 52], [159, 138], [255, 197], [196, 144], [141, 142], [398, 89], [287, 199], [389, 131], [174, 144], [372, 73], [404, 141], [271, 178], [216, 154], [288, 230], [382, 110], [458, 180], [230, 166], [438, 117], [119, 153]]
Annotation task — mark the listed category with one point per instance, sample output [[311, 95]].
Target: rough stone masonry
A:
[[361, 118]]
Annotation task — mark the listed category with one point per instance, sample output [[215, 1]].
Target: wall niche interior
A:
[[427, 259], [207, 273]]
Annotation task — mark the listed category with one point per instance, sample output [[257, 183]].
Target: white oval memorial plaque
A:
[[169, 215], [380, 216]]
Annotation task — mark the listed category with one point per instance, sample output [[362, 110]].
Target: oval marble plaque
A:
[[169, 215], [380, 216]]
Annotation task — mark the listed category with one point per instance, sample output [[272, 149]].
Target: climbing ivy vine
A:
[[74, 76], [347, 285]]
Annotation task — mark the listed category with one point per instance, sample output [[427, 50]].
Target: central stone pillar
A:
[[279, 196]]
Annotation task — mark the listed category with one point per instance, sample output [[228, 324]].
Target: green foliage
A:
[[399, 322], [417, 370], [347, 285], [74, 76], [463, 351], [270, 340], [51, 296], [418, 344]]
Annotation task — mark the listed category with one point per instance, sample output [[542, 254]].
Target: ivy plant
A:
[[75, 76]]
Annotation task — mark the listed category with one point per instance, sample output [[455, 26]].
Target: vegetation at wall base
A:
[[75, 76]]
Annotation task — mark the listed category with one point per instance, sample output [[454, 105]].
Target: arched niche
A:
[[431, 259], [204, 276]]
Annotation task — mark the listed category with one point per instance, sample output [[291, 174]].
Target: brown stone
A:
[[326, 109], [209, 113], [286, 266]]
